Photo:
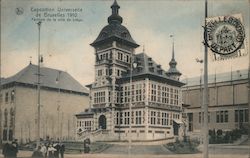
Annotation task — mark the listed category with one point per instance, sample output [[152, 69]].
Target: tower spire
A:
[[173, 72], [115, 17], [172, 46], [172, 63]]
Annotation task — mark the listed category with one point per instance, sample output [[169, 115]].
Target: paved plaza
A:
[[151, 151]]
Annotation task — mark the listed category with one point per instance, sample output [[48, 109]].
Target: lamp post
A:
[[133, 65], [202, 108], [58, 103], [38, 86], [237, 102]]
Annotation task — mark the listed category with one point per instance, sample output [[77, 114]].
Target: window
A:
[[12, 115], [199, 117], [226, 116], [117, 118], [104, 34], [221, 116], [121, 118], [137, 93], [10, 135], [241, 115], [132, 118], [6, 97], [99, 97], [126, 118], [106, 72], [164, 118], [5, 134], [87, 125], [12, 95], [158, 118], [138, 117], [5, 118], [190, 121], [246, 115], [236, 116], [99, 72], [153, 117], [124, 34], [208, 117], [153, 92], [110, 72], [217, 116], [1, 98]]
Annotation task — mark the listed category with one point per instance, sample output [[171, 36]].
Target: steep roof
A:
[[147, 66], [115, 31], [51, 78]]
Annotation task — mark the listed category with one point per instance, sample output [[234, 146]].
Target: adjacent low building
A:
[[61, 97], [228, 101], [132, 97]]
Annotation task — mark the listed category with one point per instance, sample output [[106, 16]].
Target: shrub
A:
[[181, 147]]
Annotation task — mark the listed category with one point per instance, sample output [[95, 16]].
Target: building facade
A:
[[61, 97], [228, 101], [132, 96]]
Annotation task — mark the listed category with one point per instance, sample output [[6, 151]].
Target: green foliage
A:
[[183, 147], [220, 137]]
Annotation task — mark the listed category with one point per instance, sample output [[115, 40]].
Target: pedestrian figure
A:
[[44, 151], [62, 149], [13, 150], [37, 153], [57, 147], [51, 151], [6, 150], [86, 144]]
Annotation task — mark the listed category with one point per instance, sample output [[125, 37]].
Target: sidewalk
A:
[[215, 151], [22, 155]]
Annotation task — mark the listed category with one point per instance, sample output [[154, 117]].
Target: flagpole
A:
[[38, 87], [205, 96]]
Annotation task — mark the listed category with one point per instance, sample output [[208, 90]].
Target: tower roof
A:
[[173, 70], [146, 66], [115, 31], [115, 17]]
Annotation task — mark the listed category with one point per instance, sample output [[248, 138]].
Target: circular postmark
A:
[[225, 35], [19, 11]]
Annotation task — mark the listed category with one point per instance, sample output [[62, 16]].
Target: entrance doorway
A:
[[102, 122], [176, 128]]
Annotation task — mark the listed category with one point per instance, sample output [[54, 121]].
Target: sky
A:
[[66, 45]]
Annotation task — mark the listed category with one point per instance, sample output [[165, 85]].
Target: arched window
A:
[[12, 117], [5, 118]]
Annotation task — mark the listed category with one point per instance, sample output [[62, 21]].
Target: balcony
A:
[[103, 61]]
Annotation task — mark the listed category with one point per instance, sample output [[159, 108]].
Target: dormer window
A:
[[104, 34], [151, 69], [124, 34]]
